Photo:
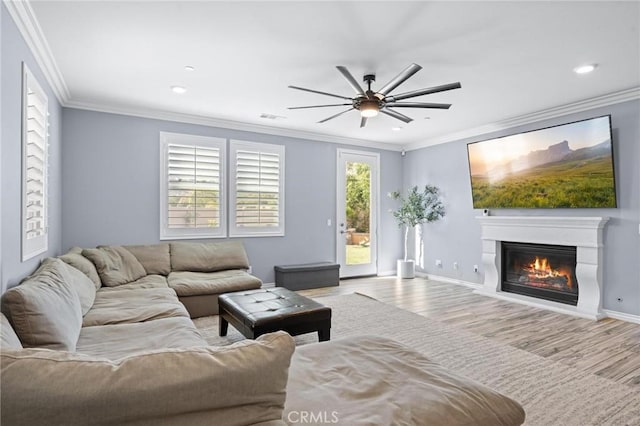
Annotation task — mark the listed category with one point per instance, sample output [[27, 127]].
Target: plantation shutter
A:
[[193, 187], [258, 203], [35, 167]]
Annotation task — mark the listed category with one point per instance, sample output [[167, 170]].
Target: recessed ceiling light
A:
[[178, 89], [396, 129], [585, 69], [189, 68]]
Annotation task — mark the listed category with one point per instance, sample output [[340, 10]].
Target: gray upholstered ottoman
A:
[[308, 275], [256, 312]]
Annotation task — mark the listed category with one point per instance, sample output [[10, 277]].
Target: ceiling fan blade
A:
[[335, 115], [400, 78], [318, 92], [418, 105], [352, 81], [396, 114], [317, 106], [421, 92], [363, 122]]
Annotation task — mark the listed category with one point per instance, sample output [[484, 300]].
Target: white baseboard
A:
[[622, 316], [386, 273], [448, 280], [268, 285]]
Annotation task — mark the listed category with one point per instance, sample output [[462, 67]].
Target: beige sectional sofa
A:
[[113, 300], [197, 272], [102, 337]]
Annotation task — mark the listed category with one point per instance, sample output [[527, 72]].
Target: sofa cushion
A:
[[154, 258], [374, 380], [208, 257], [130, 306], [146, 282], [198, 283], [75, 258], [82, 285], [240, 384], [114, 341], [44, 309], [115, 264], [8, 337]]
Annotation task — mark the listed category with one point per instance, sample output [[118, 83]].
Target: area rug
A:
[[551, 393]]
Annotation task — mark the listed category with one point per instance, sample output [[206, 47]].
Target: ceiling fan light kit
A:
[[369, 108], [370, 103]]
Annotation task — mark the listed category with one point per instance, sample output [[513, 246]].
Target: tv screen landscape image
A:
[[565, 166]]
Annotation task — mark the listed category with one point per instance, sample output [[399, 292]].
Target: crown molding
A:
[[228, 124], [28, 25], [555, 112], [24, 17]]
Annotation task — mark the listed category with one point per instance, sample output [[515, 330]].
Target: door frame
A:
[[370, 268]]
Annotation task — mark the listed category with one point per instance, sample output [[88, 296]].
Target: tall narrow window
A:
[[35, 150], [257, 189], [192, 190]]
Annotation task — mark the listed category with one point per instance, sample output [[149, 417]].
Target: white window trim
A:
[[234, 231], [34, 246], [166, 233]]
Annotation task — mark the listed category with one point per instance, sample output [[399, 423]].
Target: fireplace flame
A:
[[541, 269], [542, 265]]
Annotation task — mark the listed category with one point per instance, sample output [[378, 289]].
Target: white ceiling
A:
[[512, 58]]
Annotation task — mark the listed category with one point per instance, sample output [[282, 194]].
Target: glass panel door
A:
[[357, 208]]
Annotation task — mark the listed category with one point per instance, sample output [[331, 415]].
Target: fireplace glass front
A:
[[540, 270]]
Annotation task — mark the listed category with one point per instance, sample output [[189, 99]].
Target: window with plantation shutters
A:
[[35, 150], [256, 202], [192, 186]]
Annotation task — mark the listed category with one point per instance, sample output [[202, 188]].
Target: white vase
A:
[[406, 269]]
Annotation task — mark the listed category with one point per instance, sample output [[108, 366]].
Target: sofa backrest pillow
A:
[[8, 337], [154, 258], [115, 264], [44, 309], [75, 258], [82, 285], [240, 384], [208, 257]]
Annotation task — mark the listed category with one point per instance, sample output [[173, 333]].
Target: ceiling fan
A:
[[370, 103]]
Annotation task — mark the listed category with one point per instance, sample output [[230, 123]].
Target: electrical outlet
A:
[[455, 265], [475, 268], [328, 222], [439, 263], [250, 270]]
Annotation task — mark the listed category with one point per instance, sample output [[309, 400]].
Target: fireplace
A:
[[540, 270], [583, 233]]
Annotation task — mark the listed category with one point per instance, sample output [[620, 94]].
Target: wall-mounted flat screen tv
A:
[[566, 166]]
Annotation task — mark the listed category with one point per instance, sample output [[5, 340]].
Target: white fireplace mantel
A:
[[585, 233]]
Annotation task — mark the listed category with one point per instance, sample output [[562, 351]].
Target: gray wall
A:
[[14, 51], [2, 287], [457, 237], [111, 189]]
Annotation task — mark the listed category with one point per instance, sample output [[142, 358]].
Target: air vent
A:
[[271, 116]]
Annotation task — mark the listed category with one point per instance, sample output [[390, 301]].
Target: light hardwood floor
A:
[[609, 348]]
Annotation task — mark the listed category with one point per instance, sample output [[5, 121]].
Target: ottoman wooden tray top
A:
[[256, 312]]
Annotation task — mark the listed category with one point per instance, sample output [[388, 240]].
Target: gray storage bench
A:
[[309, 275]]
